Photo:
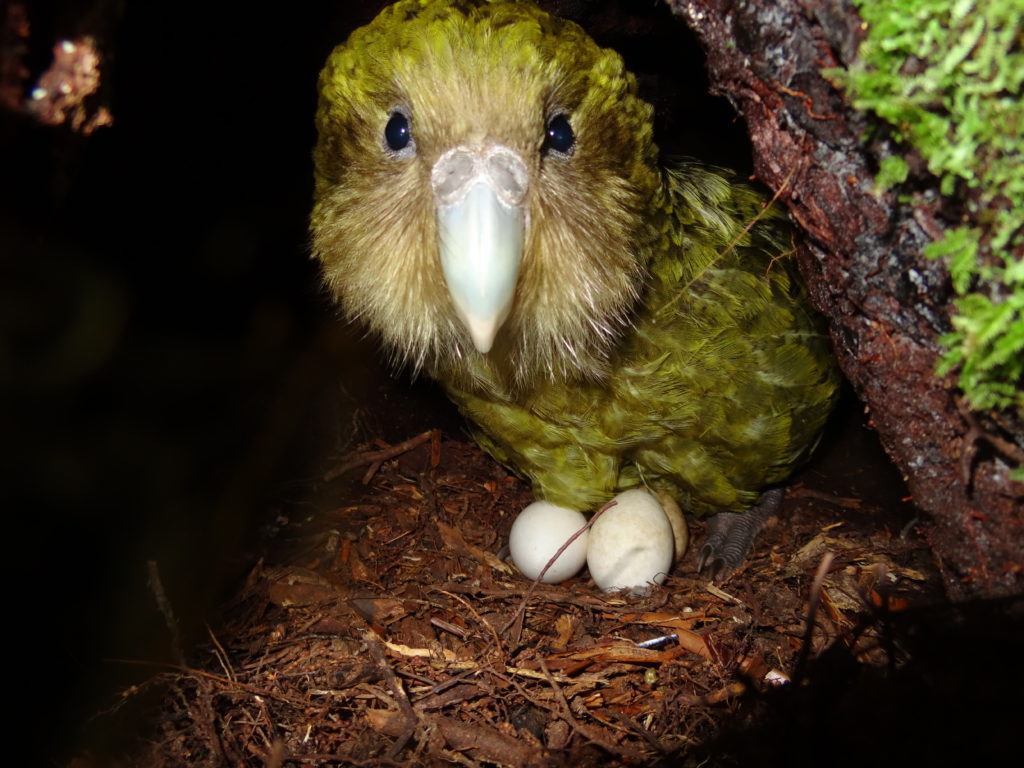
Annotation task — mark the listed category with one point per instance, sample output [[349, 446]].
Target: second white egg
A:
[[631, 544]]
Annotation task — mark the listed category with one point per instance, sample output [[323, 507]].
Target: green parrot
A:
[[490, 203]]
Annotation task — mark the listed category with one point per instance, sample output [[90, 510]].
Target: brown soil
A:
[[383, 627]]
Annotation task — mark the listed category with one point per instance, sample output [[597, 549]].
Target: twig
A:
[[589, 733], [635, 727], [208, 725], [843, 502], [976, 433], [221, 654], [156, 586], [447, 626], [384, 454], [732, 243], [229, 684], [560, 696], [435, 447], [408, 713], [374, 468], [521, 610], [812, 610], [808, 103], [476, 615]]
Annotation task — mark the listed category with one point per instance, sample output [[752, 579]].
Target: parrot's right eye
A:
[[397, 133]]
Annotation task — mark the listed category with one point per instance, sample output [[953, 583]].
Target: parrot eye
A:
[[397, 134], [558, 136]]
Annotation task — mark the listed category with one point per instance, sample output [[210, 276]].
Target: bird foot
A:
[[731, 535]]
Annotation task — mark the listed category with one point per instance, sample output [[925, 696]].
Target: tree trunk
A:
[[861, 254]]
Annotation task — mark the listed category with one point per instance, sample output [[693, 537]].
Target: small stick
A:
[[382, 455], [221, 655], [732, 244], [156, 586], [448, 627], [435, 447], [591, 734], [408, 713], [976, 433], [371, 472], [521, 610], [812, 611]]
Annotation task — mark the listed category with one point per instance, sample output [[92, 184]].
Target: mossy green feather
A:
[[721, 389], [659, 334]]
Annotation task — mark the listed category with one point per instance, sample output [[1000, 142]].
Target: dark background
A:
[[172, 375], [167, 363]]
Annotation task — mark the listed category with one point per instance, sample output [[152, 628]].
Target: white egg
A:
[[538, 533], [631, 544]]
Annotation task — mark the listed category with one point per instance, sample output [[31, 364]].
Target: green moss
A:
[[947, 76], [893, 170]]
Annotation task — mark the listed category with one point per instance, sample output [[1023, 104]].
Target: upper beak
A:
[[480, 193]]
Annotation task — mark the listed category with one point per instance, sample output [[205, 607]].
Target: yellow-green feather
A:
[[468, 72], [658, 333], [721, 388]]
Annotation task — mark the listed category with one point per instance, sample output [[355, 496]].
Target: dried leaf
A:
[[454, 540], [565, 627]]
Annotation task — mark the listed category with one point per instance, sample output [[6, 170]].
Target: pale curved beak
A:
[[480, 194]]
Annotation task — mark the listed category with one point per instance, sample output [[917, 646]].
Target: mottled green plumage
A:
[[720, 389], [658, 333]]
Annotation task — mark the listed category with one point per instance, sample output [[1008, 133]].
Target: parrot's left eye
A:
[[558, 136], [397, 133]]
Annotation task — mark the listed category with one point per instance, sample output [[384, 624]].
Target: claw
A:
[[731, 535]]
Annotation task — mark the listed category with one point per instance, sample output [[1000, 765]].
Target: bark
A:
[[860, 253]]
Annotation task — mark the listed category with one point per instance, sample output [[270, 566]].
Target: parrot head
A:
[[485, 177]]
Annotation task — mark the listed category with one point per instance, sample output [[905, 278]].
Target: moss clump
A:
[[947, 76]]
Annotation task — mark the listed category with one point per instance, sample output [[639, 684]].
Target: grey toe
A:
[[731, 535]]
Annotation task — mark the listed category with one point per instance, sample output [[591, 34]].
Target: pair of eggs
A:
[[630, 546]]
